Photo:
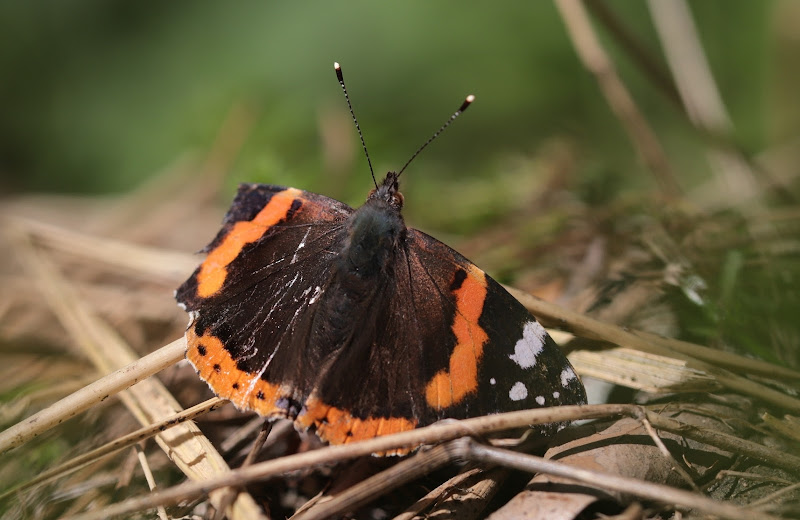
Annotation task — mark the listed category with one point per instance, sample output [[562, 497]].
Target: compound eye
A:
[[397, 200]]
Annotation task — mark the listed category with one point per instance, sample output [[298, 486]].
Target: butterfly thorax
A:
[[374, 232], [362, 272]]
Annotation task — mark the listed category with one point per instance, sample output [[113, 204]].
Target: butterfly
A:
[[352, 324]]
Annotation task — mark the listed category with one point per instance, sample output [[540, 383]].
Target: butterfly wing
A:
[[449, 342], [249, 298], [502, 358]]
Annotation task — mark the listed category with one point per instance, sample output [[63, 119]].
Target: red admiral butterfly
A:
[[351, 323]]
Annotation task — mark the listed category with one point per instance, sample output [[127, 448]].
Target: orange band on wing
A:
[[449, 387], [214, 269], [339, 427], [217, 368]]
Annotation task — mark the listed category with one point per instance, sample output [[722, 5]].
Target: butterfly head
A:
[[388, 192], [375, 231]]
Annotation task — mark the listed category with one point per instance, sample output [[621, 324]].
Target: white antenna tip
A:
[[470, 98], [336, 65]]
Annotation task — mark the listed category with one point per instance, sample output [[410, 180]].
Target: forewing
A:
[[259, 281]]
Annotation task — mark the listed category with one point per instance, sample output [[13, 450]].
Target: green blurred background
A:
[[96, 96]]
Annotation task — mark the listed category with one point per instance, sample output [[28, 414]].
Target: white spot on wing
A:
[[540, 400], [518, 392], [300, 246], [529, 346], [556, 394], [315, 296], [296, 276], [567, 375], [492, 381], [294, 318]]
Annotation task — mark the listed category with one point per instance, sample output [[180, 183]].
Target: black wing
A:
[[248, 299]]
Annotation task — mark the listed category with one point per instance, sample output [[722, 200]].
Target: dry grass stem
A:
[[698, 90], [665, 452], [646, 60], [587, 327], [721, 358], [655, 492], [117, 444], [258, 444], [757, 477], [435, 495], [468, 494], [436, 433], [401, 473], [789, 427], [91, 395], [241, 434], [642, 371], [582, 325], [148, 475], [157, 264], [773, 456], [148, 401], [595, 59], [772, 497], [75, 317], [461, 450]]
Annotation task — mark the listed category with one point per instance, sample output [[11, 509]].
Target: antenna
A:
[[340, 77], [457, 113]]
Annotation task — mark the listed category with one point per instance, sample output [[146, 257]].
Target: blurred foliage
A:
[[96, 95]]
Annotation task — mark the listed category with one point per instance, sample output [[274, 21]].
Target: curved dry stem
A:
[[117, 444], [655, 492], [91, 395], [452, 430]]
